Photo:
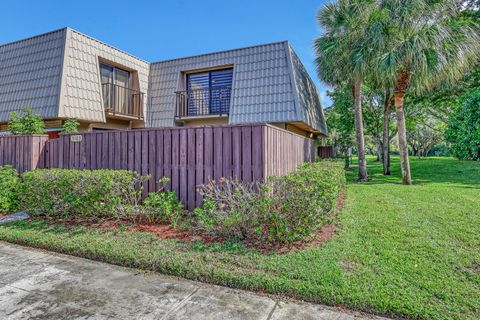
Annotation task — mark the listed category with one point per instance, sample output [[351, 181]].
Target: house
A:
[[65, 74]]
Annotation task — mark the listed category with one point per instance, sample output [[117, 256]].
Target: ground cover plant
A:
[[399, 251]]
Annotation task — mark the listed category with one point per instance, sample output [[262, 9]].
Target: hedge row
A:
[[278, 210], [83, 193], [86, 194]]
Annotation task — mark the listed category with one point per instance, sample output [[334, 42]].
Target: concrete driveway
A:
[[41, 285]]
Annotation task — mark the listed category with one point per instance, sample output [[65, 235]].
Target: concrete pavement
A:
[[41, 285]]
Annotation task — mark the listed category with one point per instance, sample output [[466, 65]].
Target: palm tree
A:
[[424, 44], [341, 58]]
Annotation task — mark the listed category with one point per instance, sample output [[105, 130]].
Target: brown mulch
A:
[[165, 231], [2, 215]]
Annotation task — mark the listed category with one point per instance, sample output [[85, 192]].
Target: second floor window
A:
[[114, 75], [209, 92], [120, 97]]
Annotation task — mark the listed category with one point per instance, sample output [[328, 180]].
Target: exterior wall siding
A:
[[30, 74], [81, 90], [261, 87], [310, 105]]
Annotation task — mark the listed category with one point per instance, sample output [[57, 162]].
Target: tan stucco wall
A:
[[206, 122], [81, 90], [292, 128]]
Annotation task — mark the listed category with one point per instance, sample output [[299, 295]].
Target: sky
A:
[[160, 30]]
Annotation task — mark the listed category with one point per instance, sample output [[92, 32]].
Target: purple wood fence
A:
[[285, 150], [325, 152], [23, 152], [188, 156]]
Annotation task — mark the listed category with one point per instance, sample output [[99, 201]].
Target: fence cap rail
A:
[[22, 135]]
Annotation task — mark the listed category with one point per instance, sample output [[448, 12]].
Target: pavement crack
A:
[[180, 304], [272, 311]]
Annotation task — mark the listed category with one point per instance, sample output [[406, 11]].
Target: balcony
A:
[[122, 102], [205, 102]]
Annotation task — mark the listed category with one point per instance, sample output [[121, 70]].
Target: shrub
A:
[[70, 126], [463, 131], [83, 193], [232, 208], [27, 124], [9, 189], [279, 210], [301, 201], [163, 206]]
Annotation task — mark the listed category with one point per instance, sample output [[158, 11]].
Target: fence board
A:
[[191, 170], [199, 162], [183, 183]]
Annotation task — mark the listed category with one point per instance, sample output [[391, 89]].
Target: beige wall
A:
[[292, 128], [206, 122], [81, 95]]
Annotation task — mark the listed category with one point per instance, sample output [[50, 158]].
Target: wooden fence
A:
[[326, 152], [188, 156], [23, 152]]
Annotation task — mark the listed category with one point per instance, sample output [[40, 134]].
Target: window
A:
[[209, 92], [117, 76], [115, 88]]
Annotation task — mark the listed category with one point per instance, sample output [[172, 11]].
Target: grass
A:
[[400, 251]]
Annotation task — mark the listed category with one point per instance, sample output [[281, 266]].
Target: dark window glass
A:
[[209, 92]]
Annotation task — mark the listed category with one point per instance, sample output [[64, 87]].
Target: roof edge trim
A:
[[32, 37]]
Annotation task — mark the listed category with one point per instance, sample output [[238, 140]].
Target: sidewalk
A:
[[41, 285]]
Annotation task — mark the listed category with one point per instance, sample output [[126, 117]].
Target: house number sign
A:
[[76, 138]]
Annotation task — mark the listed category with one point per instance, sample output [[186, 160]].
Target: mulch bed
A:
[[165, 231]]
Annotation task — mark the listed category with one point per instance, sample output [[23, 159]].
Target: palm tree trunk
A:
[[379, 151], [402, 138], [386, 133], [362, 164]]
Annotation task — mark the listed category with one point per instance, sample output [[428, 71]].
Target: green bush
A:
[[70, 126], [9, 189], [163, 206], [302, 200], [82, 193], [27, 124], [280, 210], [232, 209], [463, 131]]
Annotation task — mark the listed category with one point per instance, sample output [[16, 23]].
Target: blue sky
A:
[[159, 30]]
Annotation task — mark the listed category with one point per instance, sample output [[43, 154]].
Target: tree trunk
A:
[[402, 138], [362, 164], [379, 151], [386, 133]]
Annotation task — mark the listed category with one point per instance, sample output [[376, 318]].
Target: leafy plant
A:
[[279, 210], [26, 124], [9, 189], [163, 206], [70, 126], [464, 127], [232, 208], [83, 193]]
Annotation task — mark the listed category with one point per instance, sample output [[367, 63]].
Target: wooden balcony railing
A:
[[122, 101], [203, 102]]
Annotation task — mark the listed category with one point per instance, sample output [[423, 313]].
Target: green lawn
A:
[[411, 251]]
